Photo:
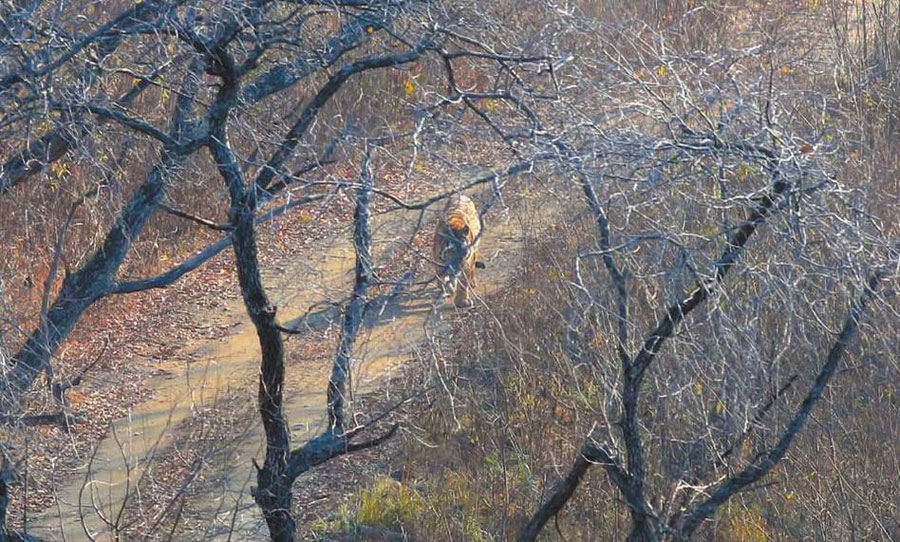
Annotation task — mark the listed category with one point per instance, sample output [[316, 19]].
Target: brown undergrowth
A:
[[511, 403]]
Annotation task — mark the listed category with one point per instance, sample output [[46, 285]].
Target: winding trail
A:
[[395, 330]]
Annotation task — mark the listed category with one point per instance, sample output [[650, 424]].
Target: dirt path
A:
[[392, 335]]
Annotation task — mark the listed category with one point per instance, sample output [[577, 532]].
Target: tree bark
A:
[[96, 278], [353, 316], [5, 480], [81, 289]]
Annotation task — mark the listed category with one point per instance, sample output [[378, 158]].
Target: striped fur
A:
[[455, 249]]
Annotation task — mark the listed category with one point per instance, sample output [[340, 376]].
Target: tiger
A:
[[455, 250]]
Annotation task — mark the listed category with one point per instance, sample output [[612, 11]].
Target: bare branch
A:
[[169, 277], [193, 218], [757, 418], [54, 145], [736, 243], [521, 167], [590, 455], [757, 469], [274, 166], [136, 124]]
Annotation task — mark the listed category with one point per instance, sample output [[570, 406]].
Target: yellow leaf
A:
[[868, 100], [662, 70], [408, 87], [488, 104], [720, 406], [697, 388]]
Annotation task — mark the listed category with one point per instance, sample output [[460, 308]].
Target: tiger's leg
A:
[[437, 258], [466, 284], [471, 267], [450, 288]]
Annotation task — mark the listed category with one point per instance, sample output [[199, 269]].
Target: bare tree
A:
[[683, 135], [147, 90], [707, 298], [69, 66], [283, 465]]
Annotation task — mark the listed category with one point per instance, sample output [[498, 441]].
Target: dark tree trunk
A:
[[353, 317], [96, 278], [641, 529], [5, 479], [273, 493], [81, 289]]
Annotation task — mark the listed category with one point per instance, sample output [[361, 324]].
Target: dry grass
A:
[[484, 454], [478, 461]]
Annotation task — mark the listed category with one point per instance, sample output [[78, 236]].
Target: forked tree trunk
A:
[[273, 493]]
